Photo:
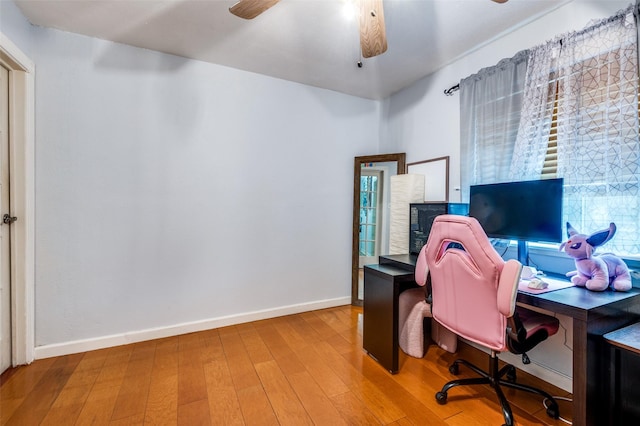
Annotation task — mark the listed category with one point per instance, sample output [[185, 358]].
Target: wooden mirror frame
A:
[[401, 161]]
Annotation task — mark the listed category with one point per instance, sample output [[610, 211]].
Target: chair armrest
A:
[[515, 330], [508, 287], [422, 269]]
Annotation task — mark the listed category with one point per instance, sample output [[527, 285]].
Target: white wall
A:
[[173, 195], [15, 26]]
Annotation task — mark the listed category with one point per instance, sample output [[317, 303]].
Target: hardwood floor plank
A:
[[224, 405], [340, 344], [192, 386], [317, 405], [162, 401], [67, 407], [194, 413], [35, 406], [336, 318], [378, 402], [283, 399], [18, 384], [99, 404], [323, 329], [255, 406], [417, 409], [240, 365], [289, 333], [302, 328], [134, 390], [255, 347], [320, 370], [212, 347], [277, 345], [353, 410]]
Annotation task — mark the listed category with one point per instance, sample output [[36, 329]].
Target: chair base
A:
[[494, 378]]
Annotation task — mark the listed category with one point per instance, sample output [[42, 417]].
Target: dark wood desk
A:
[[593, 314], [382, 288]]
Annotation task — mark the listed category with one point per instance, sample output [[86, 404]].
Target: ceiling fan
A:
[[373, 35]]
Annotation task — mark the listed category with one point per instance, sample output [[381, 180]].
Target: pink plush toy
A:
[[595, 272]]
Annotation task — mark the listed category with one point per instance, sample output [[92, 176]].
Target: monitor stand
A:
[[523, 253]]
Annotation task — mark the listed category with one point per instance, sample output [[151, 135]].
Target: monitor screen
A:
[[421, 217], [527, 211]]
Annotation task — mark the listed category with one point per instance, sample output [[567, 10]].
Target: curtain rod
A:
[[451, 90]]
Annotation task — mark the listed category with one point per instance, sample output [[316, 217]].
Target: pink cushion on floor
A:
[[412, 309]]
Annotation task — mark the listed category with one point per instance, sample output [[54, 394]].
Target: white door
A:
[[5, 277], [370, 216]]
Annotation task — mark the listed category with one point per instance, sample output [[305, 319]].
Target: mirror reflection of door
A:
[[370, 237], [371, 191]]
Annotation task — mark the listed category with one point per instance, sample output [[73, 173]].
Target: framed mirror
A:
[[369, 174], [436, 173]]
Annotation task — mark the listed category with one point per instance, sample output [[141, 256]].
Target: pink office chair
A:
[[474, 295]]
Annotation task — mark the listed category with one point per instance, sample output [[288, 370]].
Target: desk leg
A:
[[380, 331], [580, 370], [591, 373]]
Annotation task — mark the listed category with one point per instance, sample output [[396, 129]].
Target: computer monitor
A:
[[421, 217], [523, 211]]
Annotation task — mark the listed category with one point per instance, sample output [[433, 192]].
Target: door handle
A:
[[8, 219]]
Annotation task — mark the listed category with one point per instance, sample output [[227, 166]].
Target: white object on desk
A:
[[528, 272], [537, 283]]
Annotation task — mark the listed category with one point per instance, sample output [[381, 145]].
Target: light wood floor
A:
[[296, 370]]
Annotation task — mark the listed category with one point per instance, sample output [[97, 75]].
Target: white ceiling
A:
[[306, 41]]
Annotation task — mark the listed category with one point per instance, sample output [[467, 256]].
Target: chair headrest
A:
[[461, 233]]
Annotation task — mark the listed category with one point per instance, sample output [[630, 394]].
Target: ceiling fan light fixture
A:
[[349, 10]]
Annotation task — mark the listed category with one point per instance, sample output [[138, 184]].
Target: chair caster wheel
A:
[[511, 375], [441, 397], [454, 369]]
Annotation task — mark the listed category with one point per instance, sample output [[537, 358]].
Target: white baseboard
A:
[[58, 349]]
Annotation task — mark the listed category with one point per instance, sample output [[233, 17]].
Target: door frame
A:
[[401, 160], [22, 197]]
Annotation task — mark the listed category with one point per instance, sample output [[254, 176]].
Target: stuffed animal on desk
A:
[[596, 273]]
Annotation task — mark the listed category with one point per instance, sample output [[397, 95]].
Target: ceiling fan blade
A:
[[249, 9], [373, 35]]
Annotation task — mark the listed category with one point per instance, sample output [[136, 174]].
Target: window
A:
[[579, 121], [598, 150]]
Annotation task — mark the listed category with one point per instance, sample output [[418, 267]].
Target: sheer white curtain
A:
[[598, 147], [537, 112], [592, 77], [490, 103]]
